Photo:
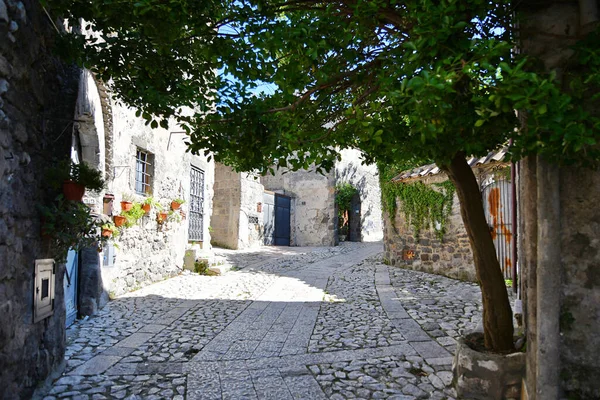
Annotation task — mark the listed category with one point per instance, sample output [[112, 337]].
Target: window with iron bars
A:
[[143, 172]]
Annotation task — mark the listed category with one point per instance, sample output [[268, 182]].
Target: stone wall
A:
[[150, 251], [451, 257], [313, 217], [580, 292], [366, 179], [37, 101]]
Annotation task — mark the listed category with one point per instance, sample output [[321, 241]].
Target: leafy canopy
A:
[[424, 79]]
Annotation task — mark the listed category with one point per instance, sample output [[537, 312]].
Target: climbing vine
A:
[[423, 205]]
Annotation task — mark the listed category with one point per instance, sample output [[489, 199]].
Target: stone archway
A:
[[93, 133]]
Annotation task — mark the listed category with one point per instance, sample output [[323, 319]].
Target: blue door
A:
[[70, 286], [282, 220]]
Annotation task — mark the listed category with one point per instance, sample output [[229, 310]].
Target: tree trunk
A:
[[497, 315]]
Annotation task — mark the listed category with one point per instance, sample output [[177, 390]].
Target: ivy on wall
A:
[[425, 206]]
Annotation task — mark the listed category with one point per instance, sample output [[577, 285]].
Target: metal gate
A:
[[70, 286], [497, 198], [196, 224], [276, 218]]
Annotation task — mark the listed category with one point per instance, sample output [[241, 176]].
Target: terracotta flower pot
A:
[[73, 191], [107, 232], [119, 220], [146, 208], [161, 217], [126, 205], [175, 205]]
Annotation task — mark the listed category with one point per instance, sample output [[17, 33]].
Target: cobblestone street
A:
[[288, 323]]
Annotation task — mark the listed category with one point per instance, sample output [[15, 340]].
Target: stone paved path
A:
[[319, 323]]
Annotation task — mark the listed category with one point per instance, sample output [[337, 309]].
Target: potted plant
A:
[[150, 202], [132, 215], [69, 225], [119, 220], [161, 216], [126, 202], [109, 229], [74, 179], [176, 204]]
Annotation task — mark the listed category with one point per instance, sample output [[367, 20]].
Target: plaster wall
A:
[[37, 100], [366, 179], [225, 221], [251, 222]]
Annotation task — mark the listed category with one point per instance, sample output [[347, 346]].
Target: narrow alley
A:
[[312, 323]]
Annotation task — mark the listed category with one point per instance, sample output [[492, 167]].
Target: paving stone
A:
[[319, 323]]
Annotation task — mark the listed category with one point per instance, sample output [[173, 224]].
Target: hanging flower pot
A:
[[161, 217], [146, 208], [175, 204], [126, 205], [73, 191], [107, 232], [119, 220]]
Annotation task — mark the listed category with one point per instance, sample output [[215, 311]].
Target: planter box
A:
[[487, 376]]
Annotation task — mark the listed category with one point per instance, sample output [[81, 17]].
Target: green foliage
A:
[[174, 216], [69, 225], [133, 215], [201, 267], [179, 201], [423, 206], [109, 226], [81, 173], [344, 192], [150, 200], [415, 78]]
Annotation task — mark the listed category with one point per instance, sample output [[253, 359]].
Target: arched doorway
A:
[[354, 219]]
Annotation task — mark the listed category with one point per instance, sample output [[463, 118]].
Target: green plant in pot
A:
[[75, 179], [176, 204], [133, 214], [69, 225], [126, 201], [109, 230], [149, 203]]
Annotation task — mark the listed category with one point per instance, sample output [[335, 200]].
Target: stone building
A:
[[451, 255], [237, 221], [313, 212], [37, 98], [293, 208], [139, 163]]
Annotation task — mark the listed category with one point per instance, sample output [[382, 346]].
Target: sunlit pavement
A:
[[292, 323]]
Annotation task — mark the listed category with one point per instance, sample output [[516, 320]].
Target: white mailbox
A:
[[43, 291]]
